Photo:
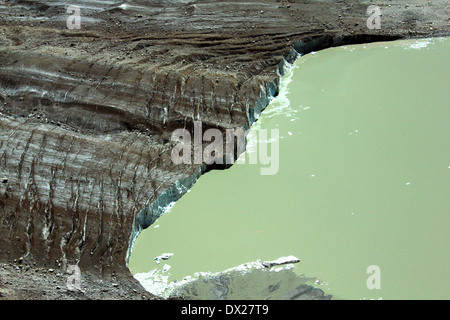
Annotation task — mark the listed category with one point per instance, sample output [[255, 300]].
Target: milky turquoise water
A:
[[363, 180]]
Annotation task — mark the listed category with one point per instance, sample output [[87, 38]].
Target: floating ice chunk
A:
[[166, 268], [164, 256], [281, 261]]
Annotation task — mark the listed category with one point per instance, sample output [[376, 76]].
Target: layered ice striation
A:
[[148, 215]]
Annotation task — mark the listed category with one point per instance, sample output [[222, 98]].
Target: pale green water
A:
[[364, 177]]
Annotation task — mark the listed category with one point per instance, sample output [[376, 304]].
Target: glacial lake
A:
[[363, 180]]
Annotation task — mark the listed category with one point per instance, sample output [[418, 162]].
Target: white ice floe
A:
[[164, 256], [281, 261]]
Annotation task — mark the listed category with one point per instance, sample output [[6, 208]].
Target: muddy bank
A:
[[86, 115]]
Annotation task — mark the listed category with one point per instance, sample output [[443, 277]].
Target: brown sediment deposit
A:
[[86, 115]]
